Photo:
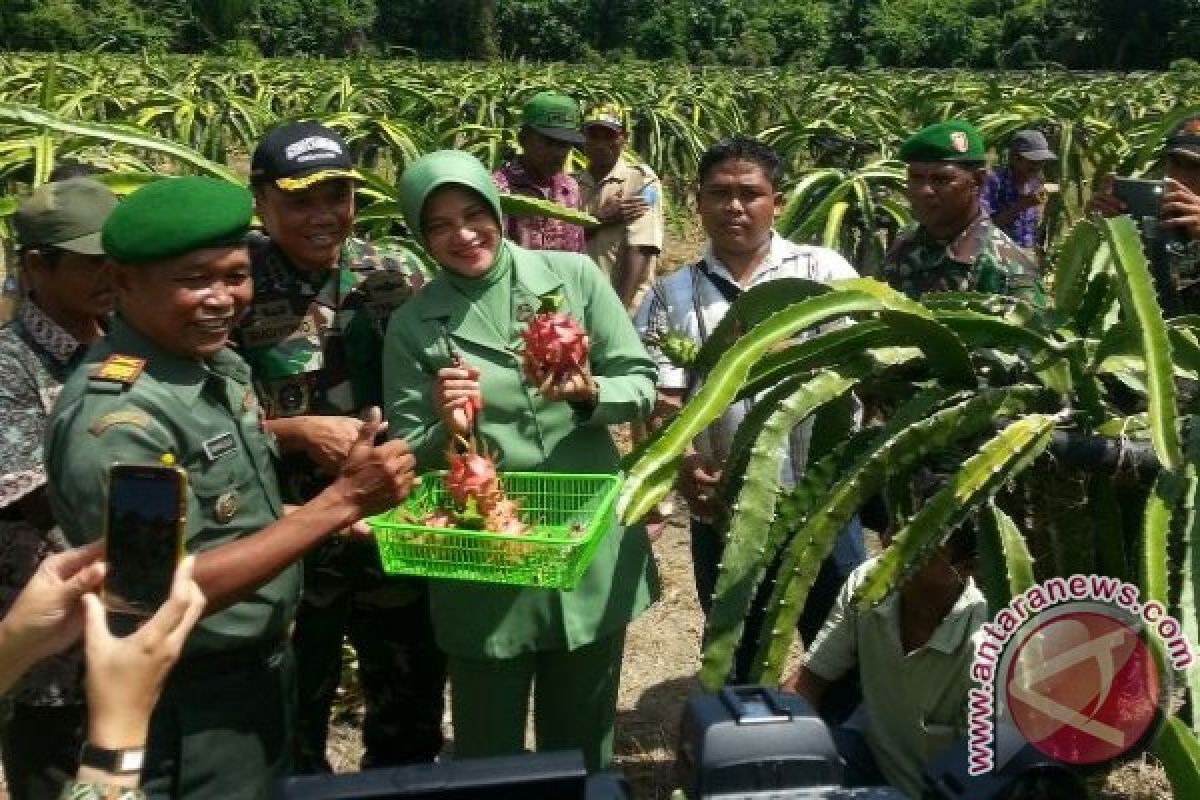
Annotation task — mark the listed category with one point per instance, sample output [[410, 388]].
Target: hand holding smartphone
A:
[[1142, 198], [144, 526]]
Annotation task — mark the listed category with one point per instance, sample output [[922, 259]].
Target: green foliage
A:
[[748, 33]]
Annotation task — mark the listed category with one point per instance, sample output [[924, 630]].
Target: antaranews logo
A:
[[1068, 666]]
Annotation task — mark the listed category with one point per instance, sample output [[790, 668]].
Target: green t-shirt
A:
[[914, 704]]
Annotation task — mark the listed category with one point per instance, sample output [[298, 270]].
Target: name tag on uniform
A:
[[219, 446]]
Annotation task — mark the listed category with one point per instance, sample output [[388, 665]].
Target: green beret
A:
[[953, 140], [174, 216]]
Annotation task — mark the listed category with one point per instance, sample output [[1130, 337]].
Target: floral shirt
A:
[[541, 233], [999, 192], [36, 356]]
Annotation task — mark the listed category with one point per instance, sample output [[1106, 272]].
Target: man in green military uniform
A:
[[164, 387], [627, 199], [954, 247], [313, 337]]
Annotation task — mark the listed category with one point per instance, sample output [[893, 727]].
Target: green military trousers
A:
[[574, 705], [223, 734]]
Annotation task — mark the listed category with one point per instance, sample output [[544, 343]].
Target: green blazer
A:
[[527, 433]]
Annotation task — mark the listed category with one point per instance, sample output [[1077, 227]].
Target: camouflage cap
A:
[[174, 216], [607, 116], [1184, 139], [952, 141], [554, 116], [67, 215]]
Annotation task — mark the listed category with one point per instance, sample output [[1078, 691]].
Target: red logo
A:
[[1083, 688]]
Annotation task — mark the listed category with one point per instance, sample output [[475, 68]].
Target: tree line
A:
[[1001, 34]]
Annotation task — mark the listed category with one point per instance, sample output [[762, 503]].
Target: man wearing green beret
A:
[[549, 129], [163, 387], [70, 293], [313, 337], [954, 246]]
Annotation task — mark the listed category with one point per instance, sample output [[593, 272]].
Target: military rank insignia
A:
[[226, 507], [120, 369]]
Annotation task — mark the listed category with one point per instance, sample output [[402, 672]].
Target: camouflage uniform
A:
[[1175, 265], [316, 349], [981, 259]]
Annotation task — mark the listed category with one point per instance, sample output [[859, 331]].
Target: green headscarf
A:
[[490, 292], [432, 171]]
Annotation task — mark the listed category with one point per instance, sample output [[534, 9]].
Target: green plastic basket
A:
[[570, 514]]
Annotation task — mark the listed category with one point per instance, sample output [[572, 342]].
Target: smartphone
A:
[[1141, 197], [144, 524]]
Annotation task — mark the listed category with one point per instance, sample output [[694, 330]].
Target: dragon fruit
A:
[[474, 487], [471, 475], [503, 516], [555, 344], [437, 518]]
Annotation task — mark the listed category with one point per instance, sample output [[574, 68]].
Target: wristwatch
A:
[[126, 761]]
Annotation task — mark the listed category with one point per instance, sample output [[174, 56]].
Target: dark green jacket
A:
[[175, 406]]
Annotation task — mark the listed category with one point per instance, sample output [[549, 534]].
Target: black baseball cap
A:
[[1032, 145], [1184, 139], [300, 154]]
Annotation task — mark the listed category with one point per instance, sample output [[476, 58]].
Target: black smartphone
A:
[[1142, 198], [143, 536]]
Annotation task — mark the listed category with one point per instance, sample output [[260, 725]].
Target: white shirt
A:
[[688, 302]]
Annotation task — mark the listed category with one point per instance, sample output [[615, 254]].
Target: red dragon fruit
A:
[[555, 344], [471, 475]]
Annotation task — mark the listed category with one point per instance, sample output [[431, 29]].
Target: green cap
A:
[[553, 115], [952, 140], [174, 216], [66, 214]]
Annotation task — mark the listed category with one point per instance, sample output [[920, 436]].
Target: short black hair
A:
[[72, 169], [742, 148]]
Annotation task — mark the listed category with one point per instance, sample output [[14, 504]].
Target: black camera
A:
[[757, 742]]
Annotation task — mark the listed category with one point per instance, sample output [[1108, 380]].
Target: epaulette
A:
[[116, 372]]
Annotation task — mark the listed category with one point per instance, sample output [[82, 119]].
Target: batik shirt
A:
[[693, 300], [541, 233], [314, 341], [36, 356], [980, 259], [1001, 191]]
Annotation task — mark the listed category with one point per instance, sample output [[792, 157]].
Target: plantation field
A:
[[1103, 364], [134, 116]]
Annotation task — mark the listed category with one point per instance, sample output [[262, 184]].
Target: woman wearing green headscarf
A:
[[455, 340]]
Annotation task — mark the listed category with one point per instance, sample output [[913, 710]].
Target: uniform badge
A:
[[226, 507], [129, 416], [120, 369], [219, 446], [524, 312], [248, 400], [958, 140]]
